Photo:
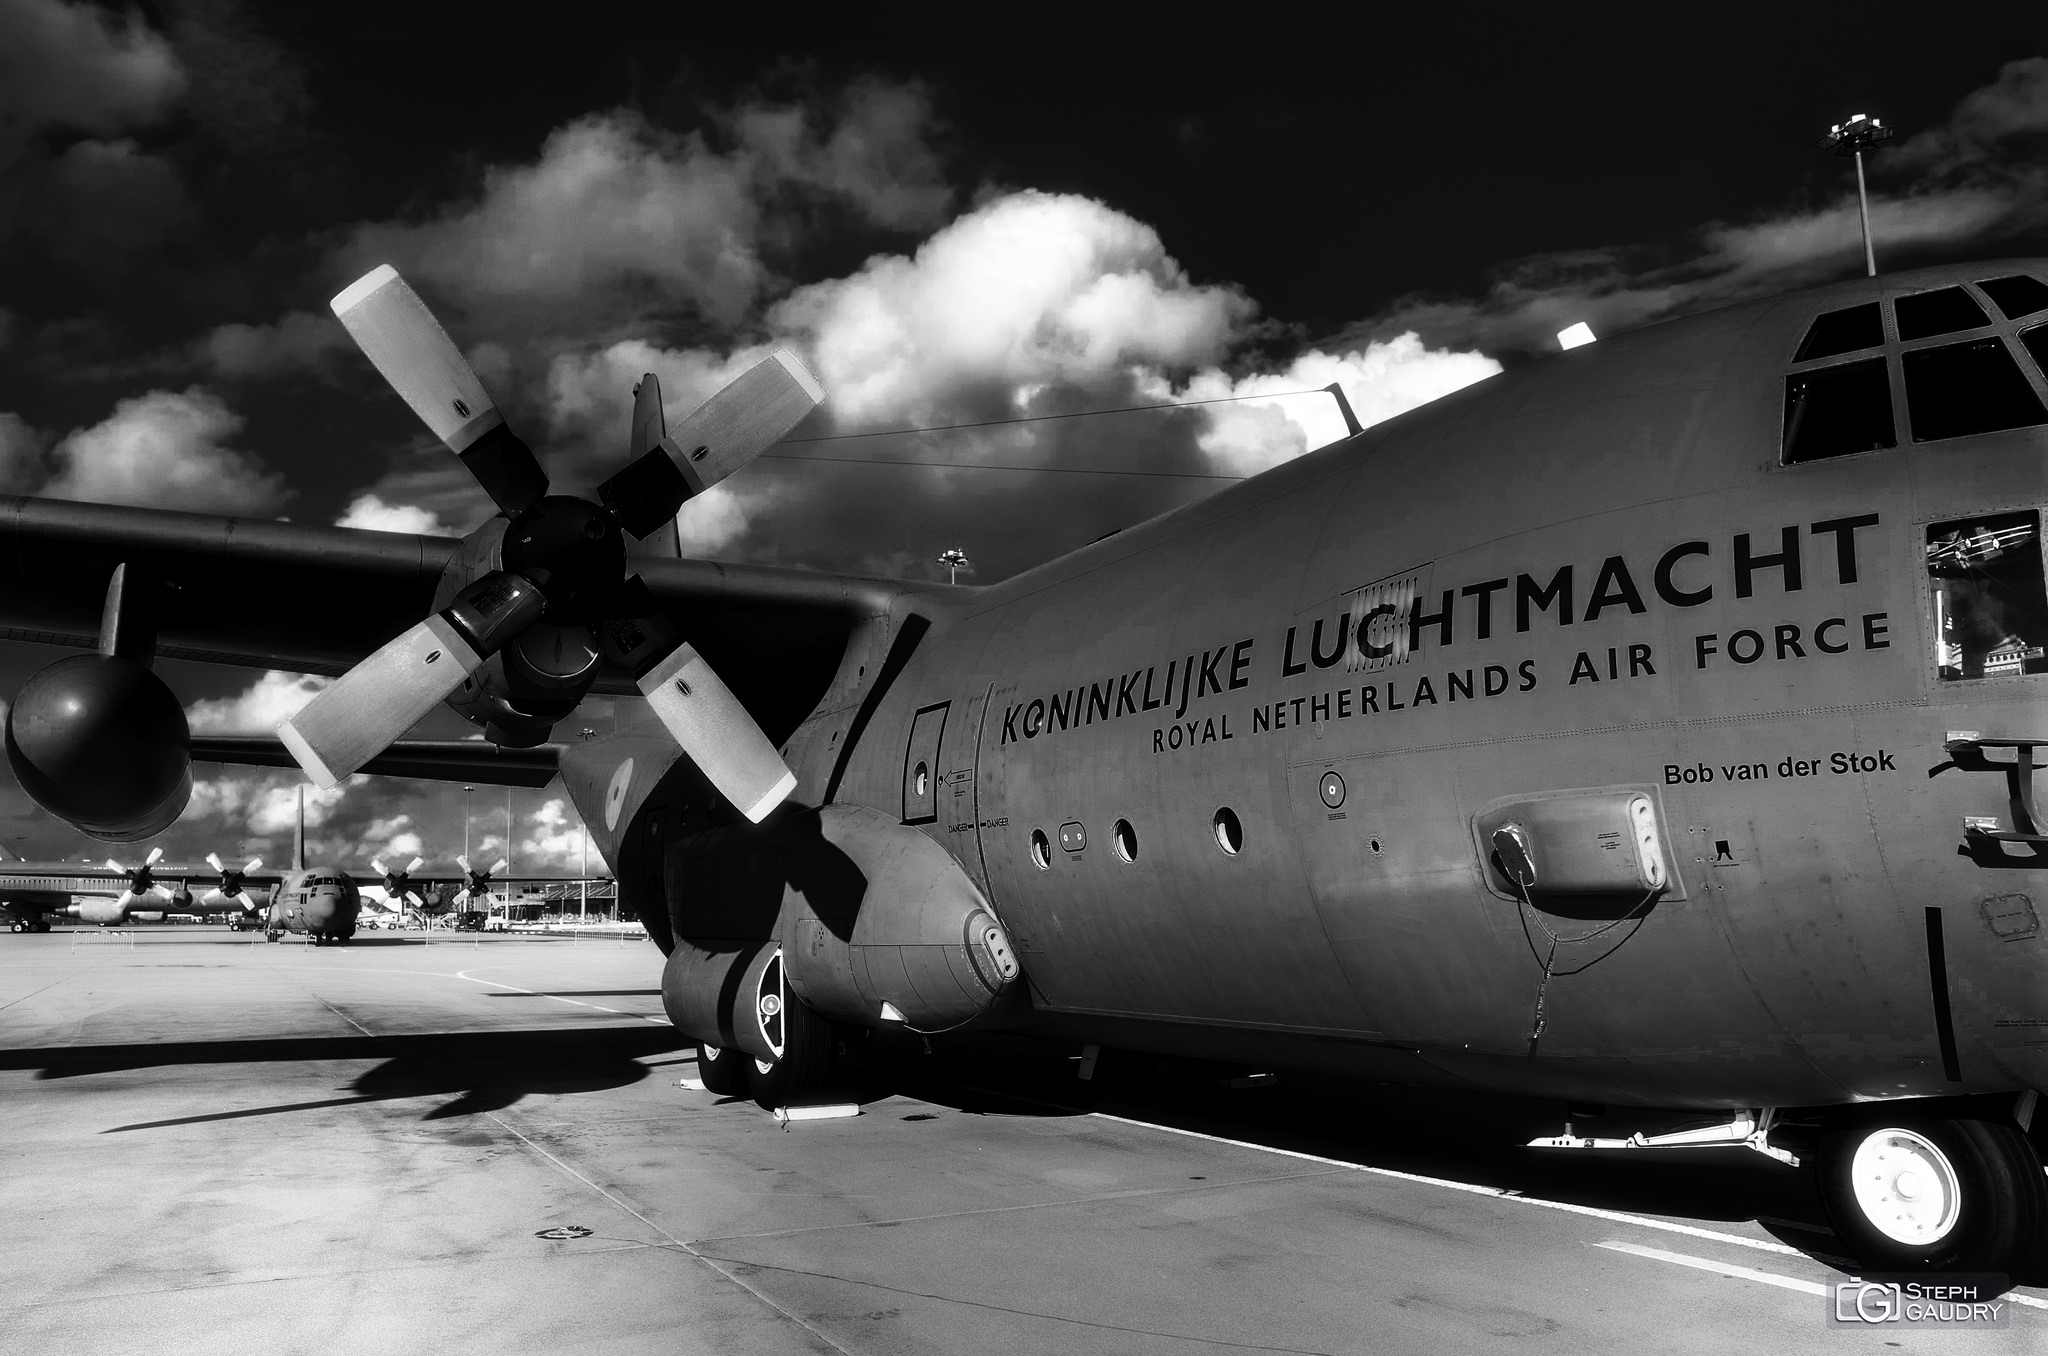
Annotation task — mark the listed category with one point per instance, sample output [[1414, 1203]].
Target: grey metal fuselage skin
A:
[[1176, 669], [316, 902]]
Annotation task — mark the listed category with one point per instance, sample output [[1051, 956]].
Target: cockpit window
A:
[[1990, 601], [1842, 331], [2018, 295], [1836, 411], [1943, 311], [1973, 387]]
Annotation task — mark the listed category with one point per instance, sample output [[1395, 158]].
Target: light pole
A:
[[955, 560], [1853, 138], [465, 820]]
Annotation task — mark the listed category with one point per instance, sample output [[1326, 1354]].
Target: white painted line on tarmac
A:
[[1718, 1268], [576, 1002], [1619, 1217]]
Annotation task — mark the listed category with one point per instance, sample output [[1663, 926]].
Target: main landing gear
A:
[[39, 925], [1921, 1193]]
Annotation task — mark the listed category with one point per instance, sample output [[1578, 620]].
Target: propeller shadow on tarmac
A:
[[477, 1071]]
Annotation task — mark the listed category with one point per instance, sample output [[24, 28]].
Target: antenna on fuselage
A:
[[299, 842]]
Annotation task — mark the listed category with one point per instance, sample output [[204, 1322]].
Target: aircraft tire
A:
[[723, 1069], [1998, 1220], [808, 1046]]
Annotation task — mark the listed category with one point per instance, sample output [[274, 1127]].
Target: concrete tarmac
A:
[[213, 1144]]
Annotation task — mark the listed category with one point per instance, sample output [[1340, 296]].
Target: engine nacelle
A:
[[99, 911], [873, 923], [101, 742]]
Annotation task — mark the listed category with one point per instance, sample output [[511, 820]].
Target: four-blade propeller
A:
[[230, 891], [141, 879], [476, 884], [563, 558]]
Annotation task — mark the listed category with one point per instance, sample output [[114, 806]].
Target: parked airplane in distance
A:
[[34, 893], [1653, 725]]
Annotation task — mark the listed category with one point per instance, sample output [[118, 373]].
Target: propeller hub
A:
[[573, 551]]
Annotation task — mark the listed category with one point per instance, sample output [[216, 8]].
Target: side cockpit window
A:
[[1990, 599], [1845, 331], [1839, 410]]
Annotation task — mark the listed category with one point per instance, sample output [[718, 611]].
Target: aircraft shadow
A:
[[475, 1071], [1470, 1137]]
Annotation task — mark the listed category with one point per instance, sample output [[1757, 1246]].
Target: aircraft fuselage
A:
[[1234, 780], [317, 902]]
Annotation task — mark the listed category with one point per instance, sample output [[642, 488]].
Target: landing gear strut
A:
[[1910, 1193]]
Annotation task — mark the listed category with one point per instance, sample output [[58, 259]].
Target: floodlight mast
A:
[[955, 560], [1853, 138]]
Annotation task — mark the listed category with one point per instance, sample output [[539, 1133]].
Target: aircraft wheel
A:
[[1936, 1195], [808, 1046], [722, 1069], [15, 928]]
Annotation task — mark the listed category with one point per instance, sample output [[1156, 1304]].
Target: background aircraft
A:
[[1652, 725], [33, 893]]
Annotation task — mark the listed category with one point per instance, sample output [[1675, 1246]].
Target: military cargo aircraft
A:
[[33, 893], [1652, 725]]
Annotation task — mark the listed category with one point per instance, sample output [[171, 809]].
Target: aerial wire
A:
[[1023, 419]]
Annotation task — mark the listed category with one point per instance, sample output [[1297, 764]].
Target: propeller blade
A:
[[378, 867], [463, 862], [716, 731], [650, 424], [113, 865], [384, 696], [254, 864], [414, 865], [501, 865], [740, 422], [378, 700], [156, 854], [213, 860], [404, 342]]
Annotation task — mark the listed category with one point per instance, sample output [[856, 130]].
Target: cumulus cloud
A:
[[1380, 381], [271, 699], [554, 839], [1973, 182], [166, 449], [76, 65], [297, 341], [1029, 290], [371, 512], [96, 204], [617, 219], [874, 151], [21, 455]]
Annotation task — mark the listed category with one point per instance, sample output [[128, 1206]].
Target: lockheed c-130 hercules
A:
[[1652, 725]]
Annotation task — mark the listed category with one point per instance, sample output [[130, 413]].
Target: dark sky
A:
[[953, 215]]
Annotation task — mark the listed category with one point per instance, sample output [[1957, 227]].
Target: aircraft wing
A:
[[82, 878], [314, 599], [444, 760]]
